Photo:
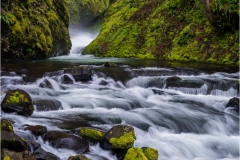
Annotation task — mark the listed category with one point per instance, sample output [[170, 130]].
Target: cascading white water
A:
[[181, 124]]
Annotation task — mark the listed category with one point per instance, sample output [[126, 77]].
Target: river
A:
[[186, 121]]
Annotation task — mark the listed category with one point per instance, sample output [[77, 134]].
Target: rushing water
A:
[[187, 121]]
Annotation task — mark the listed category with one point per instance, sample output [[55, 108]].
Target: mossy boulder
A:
[[135, 154], [68, 141], [150, 153], [12, 141], [85, 11], [6, 125], [168, 30], [119, 137], [34, 29], [92, 134], [18, 101]]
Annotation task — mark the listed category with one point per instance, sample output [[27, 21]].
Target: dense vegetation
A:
[[34, 29], [171, 30]]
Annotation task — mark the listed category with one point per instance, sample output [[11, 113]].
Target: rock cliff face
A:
[[84, 12], [34, 29], [171, 30]]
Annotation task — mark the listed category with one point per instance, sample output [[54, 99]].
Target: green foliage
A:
[[6, 19]]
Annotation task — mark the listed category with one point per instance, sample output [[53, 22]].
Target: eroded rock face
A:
[[118, 137], [18, 101], [69, 141]]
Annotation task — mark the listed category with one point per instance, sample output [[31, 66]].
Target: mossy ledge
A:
[[34, 29], [168, 30], [92, 134]]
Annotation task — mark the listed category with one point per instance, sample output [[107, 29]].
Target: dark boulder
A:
[[119, 137], [18, 101], [65, 79], [6, 125], [13, 142], [46, 84], [68, 141], [109, 64], [47, 104], [37, 130], [173, 78], [82, 73], [78, 157], [40, 153], [234, 104]]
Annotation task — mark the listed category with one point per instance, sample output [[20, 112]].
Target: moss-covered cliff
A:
[[83, 12], [170, 29], [34, 29]]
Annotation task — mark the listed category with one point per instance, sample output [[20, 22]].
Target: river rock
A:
[[47, 104], [134, 154], [81, 73], [109, 64], [65, 79], [234, 104], [12, 155], [6, 125], [118, 137], [91, 134], [78, 157], [150, 153], [46, 84], [37, 130], [69, 141], [12, 141], [18, 101], [173, 78], [41, 153]]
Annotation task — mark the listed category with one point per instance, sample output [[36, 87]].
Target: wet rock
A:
[[40, 153], [37, 130], [18, 101], [69, 141], [12, 141], [135, 153], [109, 64], [65, 79], [6, 125], [173, 78], [91, 134], [234, 104], [184, 84], [46, 84], [150, 153], [78, 157], [12, 155], [118, 137], [82, 73], [47, 104]]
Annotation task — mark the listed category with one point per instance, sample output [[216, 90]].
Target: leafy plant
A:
[[6, 19]]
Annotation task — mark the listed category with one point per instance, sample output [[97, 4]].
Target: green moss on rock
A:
[[169, 30], [150, 153], [135, 154], [6, 125], [123, 142], [37, 29], [91, 133]]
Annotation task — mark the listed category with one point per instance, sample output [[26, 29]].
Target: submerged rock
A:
[[68, 141], [82, 73], [65, 79], [109, 64], [12, 141], [92, 134], [6, 125], [78, 157], [119, 137], [234, 104], [18, 101], [46, 84], [37, 130], [41, 153]]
